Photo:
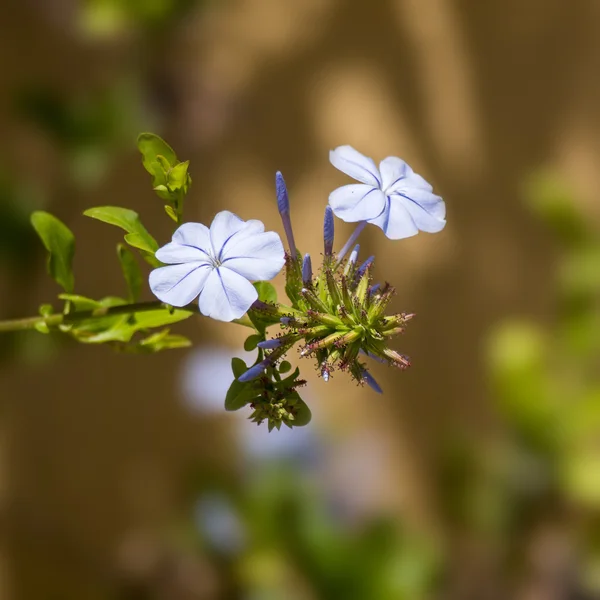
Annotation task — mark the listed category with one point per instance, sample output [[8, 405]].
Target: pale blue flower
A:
[[217, 264], [393, 196]]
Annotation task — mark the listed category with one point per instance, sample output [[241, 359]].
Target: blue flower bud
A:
[[306, 270], [270, 344], [370, 381], [255, 371], [286, 320], [364, 267], [328, 231], [283, 202]]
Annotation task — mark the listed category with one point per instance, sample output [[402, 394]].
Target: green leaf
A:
[[266, 292], [238, 366], [60, 243], [152, 147], [81, 302], [171, 212], [128, 220], [163, 340], [131, 272], [284, 366], [238, 395], [303, 415], [252, 341]]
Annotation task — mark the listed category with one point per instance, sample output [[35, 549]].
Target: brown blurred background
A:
[[103, 455]]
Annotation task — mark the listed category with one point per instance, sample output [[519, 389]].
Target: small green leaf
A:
[[238, 395], [163, 340], [303, 415], [131, 272], [171, 212], [284, 366], [41, 327], [80, 302], [238, 366], [46, 310], [178, 177], [266, 292], [128, 220], [60, 243], [251, 342], [152, 147]]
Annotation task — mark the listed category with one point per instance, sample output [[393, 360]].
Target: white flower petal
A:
[[178, 285], [357, 202], [353, 163], [226, 295], [392, 170], [175, 253], [226, 226], [427, 210], [395, 221], [256, 257], [193, 234], [397, 174]]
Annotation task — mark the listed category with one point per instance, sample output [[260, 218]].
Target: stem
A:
[[351, 241], [105, 311]]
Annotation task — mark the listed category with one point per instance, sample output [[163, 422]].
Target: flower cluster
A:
[[335, 315]]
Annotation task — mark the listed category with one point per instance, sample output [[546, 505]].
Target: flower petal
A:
[[357, 202], [427, 210], [397, 174], [178, 285], [393, 169], [353, 163], [175, 253], [395, 221], [226, 295], [193, 234], [256, 257], [226, 226]]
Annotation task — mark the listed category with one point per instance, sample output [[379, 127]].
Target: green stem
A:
[[105, 311]]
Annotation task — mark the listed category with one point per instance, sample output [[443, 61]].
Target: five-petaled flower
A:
[[217, 265], [392, 197]]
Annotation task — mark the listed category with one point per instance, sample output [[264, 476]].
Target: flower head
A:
[[393, 196], [217, 264]]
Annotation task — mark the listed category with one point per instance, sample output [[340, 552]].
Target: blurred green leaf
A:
[[266, 292], [303, 415], [131, 272], [251, 342], [550, 198], [238, 366], [171, 212], [60, 243]]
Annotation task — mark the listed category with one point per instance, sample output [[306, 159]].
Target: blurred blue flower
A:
[[219, 523], [217, 265], [393, 196]]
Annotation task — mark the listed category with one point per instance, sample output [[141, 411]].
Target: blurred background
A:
[[477, 474]]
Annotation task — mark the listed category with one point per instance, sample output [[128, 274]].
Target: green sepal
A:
[[59, 241], [131, 272]]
